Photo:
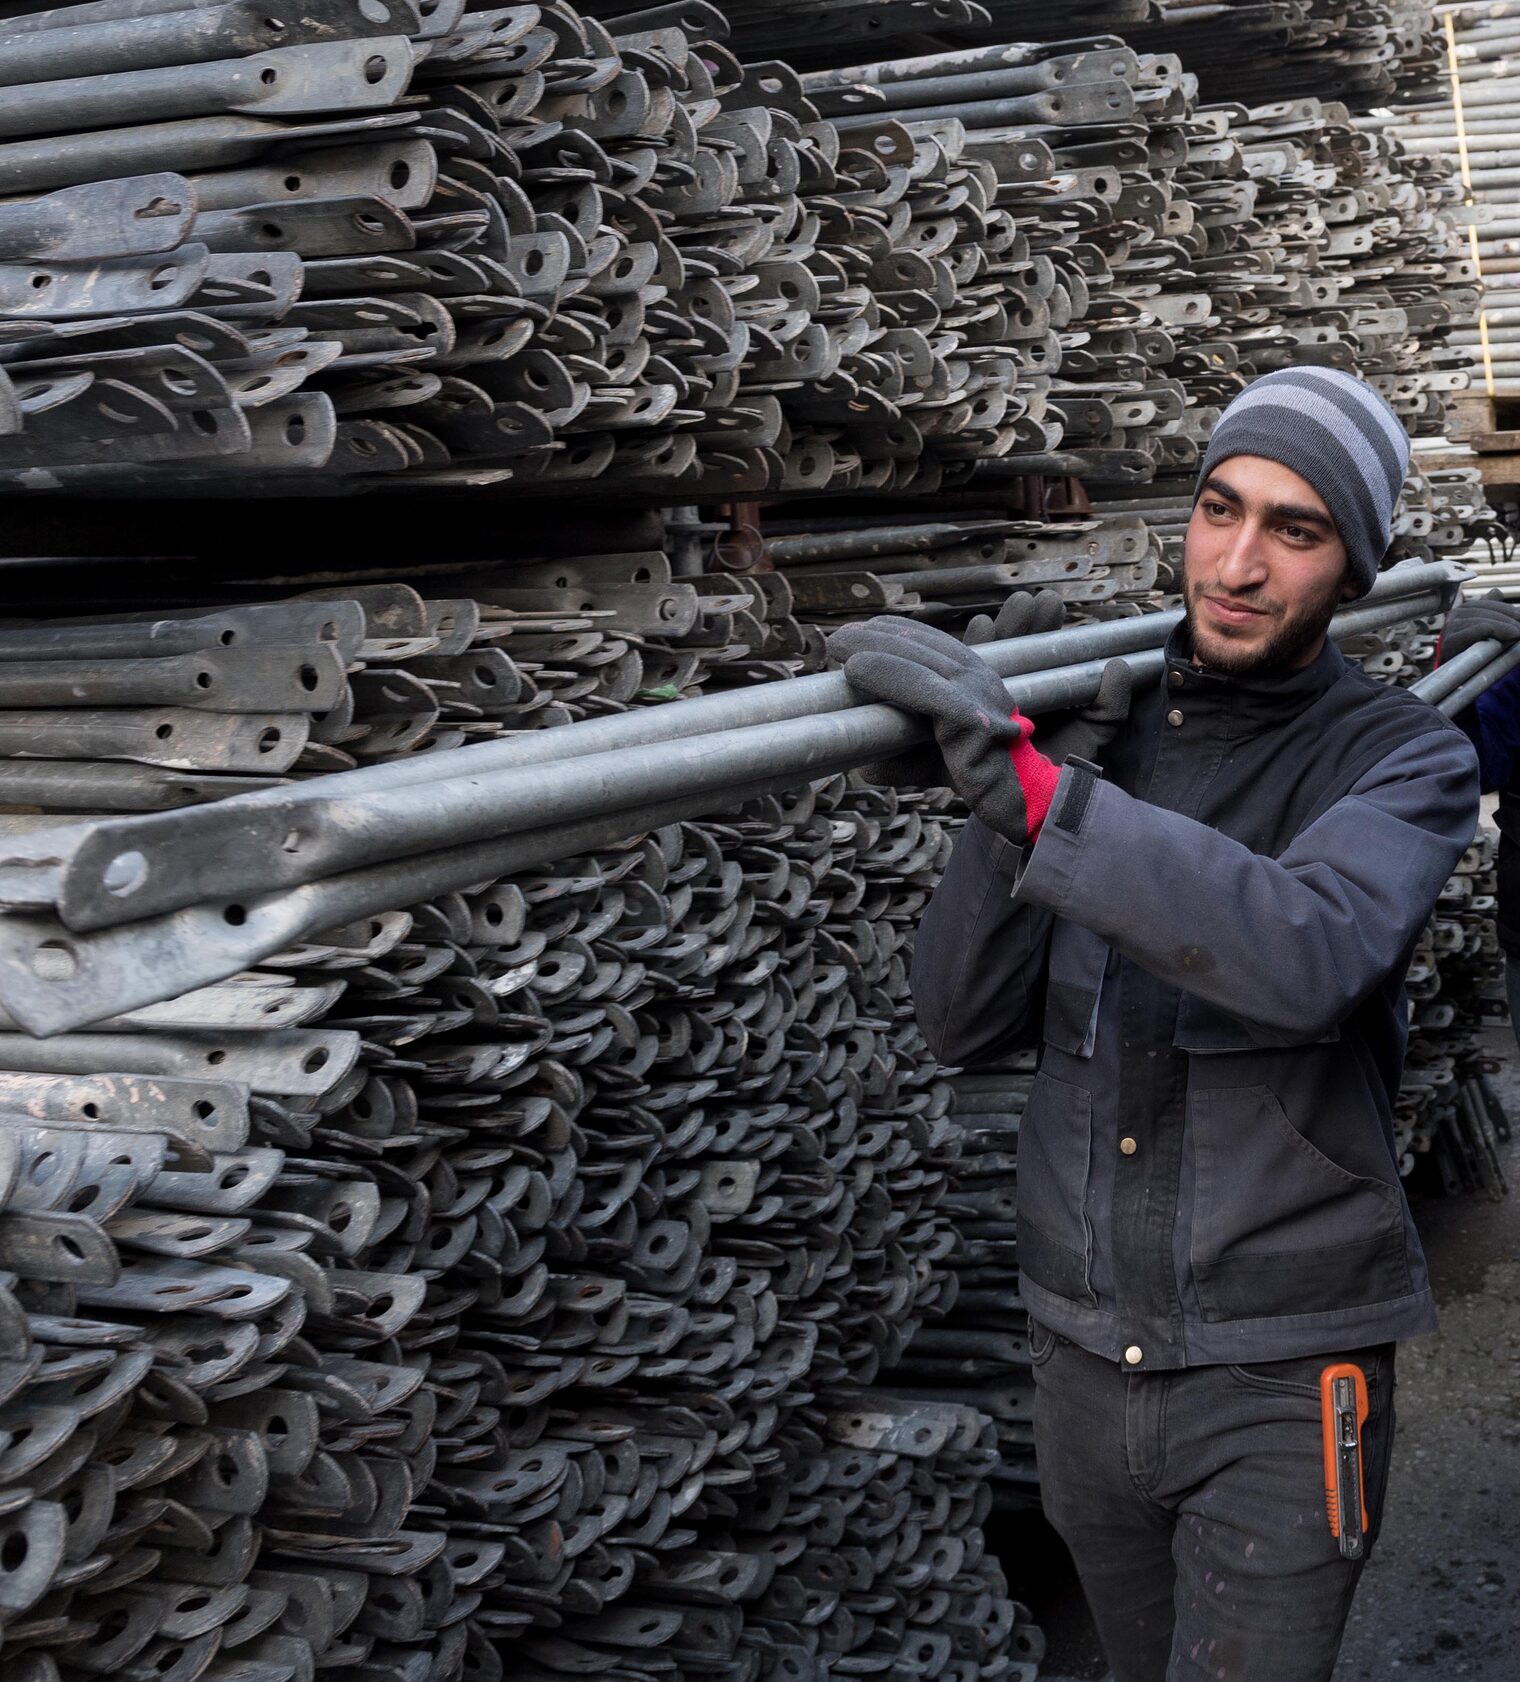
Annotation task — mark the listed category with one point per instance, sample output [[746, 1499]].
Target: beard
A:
[[1294, 631]]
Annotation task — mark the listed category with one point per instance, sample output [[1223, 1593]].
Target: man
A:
[[1208, 938]]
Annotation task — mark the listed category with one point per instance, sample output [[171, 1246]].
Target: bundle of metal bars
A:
[[527, 248], [830, 32], [589, 255], [1231, 242], [975, 1351], [946, 569], [1357, 51], [1362, 54], [1471, 131], [1456, 986], [494, 1289], [165, 709]]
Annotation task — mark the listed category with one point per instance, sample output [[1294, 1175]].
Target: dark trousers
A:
[[1193, 1503]]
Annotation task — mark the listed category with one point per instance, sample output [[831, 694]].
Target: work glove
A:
[[924, 766], [984, 742], [1084, 732], [1022, 615], [1490, 618]]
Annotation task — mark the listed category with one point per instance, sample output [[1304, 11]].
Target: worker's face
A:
[[1264, 569]]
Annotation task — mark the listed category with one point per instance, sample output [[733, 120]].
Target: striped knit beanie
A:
[[1335, 431]]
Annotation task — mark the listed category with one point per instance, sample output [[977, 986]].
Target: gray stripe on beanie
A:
[[1371, 403], [1392, 454], [1301, 402], [1337, 434]]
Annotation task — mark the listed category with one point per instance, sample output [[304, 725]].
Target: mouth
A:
[[1232, 613]]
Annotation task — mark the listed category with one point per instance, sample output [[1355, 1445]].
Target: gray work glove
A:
[[1490, 618], [1084, 732], [927, 671], [1021, 615]]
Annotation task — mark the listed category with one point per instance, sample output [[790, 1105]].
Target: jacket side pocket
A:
[[1278, 1227], [1055, 1236]]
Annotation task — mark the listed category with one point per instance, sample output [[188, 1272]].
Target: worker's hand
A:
[[1084, 732], [1006, 781], [1021, 615], [1490, 618]]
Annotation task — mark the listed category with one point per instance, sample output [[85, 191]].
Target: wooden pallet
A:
[[1488, 425], [1501, 470]]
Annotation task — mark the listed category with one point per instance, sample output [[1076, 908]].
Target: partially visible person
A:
[[1492, 724]]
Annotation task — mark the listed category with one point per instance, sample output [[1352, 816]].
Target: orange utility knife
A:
[[1343, 1413]]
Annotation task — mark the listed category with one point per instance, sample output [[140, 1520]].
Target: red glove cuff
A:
[[1037, 775]]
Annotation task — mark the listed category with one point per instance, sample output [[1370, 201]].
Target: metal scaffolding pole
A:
[[53, 978], [118, 870]]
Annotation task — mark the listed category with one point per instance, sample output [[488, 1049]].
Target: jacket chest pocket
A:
[[1079, 959]]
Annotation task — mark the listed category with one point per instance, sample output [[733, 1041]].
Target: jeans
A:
[[1512, 988], [1193, 1504]]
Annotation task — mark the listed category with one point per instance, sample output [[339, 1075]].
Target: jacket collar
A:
[[1260, 699]]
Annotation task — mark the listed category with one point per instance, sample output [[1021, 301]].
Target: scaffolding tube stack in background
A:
[[538, 249], [1471, 126], [531, 1239]]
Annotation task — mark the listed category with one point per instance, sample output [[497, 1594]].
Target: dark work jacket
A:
[[1209, 944]]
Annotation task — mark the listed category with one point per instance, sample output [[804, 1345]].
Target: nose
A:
[[1242, 561]]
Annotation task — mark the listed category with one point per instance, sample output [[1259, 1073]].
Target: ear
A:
[[1349, 590]]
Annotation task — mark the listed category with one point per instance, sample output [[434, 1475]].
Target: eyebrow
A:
[[1275, 510]]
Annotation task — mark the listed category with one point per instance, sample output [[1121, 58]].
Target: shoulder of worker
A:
[[1388, 722], [1399, 714], [1357, 716]]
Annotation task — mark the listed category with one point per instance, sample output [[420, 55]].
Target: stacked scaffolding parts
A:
[[252, 254], [487, 1212]]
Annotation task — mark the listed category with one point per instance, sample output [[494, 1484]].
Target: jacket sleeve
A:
[[1288, 946], [979, 956]]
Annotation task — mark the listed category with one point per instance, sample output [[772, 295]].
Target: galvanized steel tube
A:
[[116, 870], [53, 978]]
